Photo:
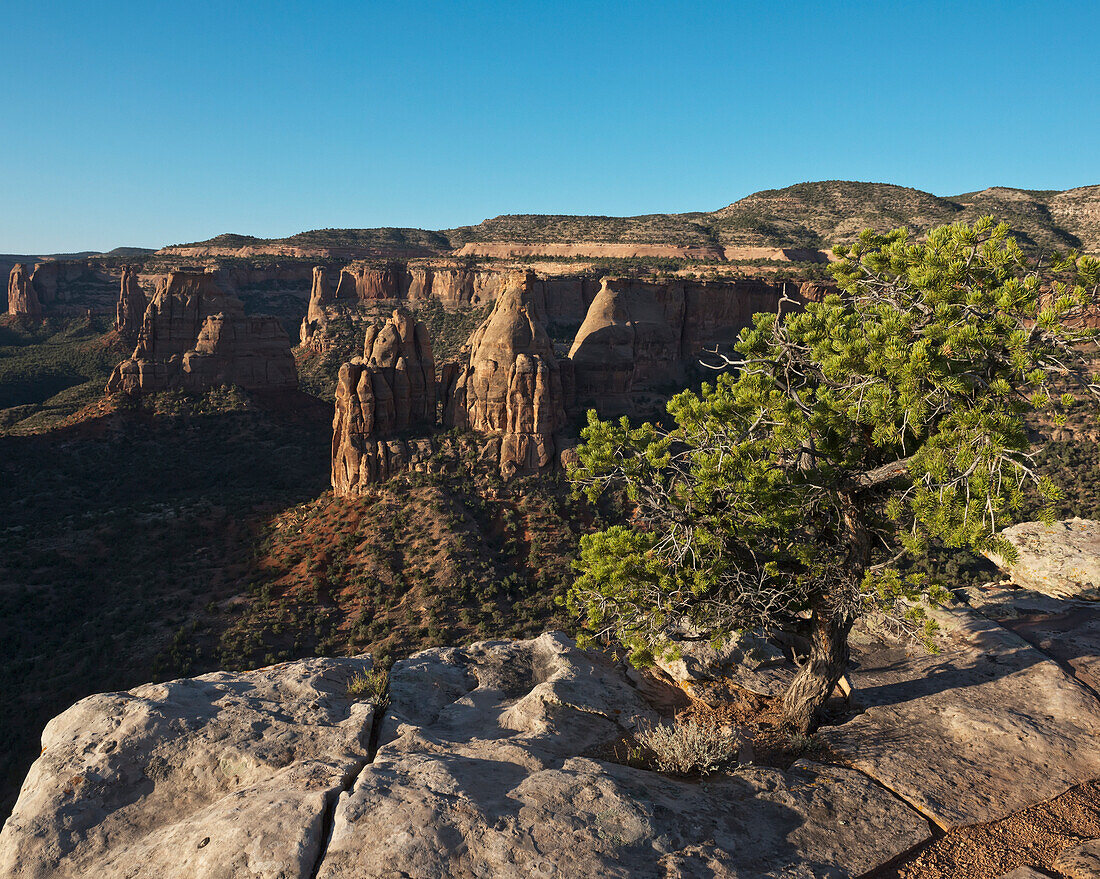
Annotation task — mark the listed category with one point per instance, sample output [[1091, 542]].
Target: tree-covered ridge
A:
[[817, 214]]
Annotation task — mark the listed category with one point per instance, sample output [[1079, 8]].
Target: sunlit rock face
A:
[[130, 311], [389, 390], [195, 336], [509, 385], [22, 297], [647, 337]]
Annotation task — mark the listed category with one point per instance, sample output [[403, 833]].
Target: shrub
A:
[[688, 746], [373, 684]]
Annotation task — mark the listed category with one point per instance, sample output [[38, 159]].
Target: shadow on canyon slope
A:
[[117, 529]]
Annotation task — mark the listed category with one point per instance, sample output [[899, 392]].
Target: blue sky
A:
[[154, 123]]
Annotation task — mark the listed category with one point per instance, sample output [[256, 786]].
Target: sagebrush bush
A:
[[688, 746]]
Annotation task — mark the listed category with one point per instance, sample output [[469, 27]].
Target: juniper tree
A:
[[849, 433]]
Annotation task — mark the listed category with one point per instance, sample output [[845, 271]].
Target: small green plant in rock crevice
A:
[[373, 685]]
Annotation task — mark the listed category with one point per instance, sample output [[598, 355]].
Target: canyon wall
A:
[[642, 337], [195, 336], [639, 342]]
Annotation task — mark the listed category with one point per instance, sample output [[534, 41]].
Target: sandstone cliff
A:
[[22, 298], [510, 385], [639, 338], [390, 389], [195, 336], [131, 306]]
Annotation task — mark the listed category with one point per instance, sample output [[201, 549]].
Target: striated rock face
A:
[[390, 389], [644, 336], [195, 336], [480, 771], [511, 385], [131, 306], [1062, 561], [22, 298]]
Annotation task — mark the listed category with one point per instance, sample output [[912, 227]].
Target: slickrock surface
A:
[[225, 775], [480, 773], [1062, 561], [1081, 861], [194, 335], [1068, 631], [130, 311], [510, 385], [22, 298], [488, 764], [988, 726]]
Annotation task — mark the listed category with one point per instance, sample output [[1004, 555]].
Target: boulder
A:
[[749, 661], [225, 775], [22, 298], [1062, 560]]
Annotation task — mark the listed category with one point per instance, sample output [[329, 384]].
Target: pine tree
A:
[[849, 433]]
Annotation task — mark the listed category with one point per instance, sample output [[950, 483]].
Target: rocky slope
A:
[[794, 223], [492, 760]]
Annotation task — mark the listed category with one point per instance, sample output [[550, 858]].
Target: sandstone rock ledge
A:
[[1062, 560], [480, 771]]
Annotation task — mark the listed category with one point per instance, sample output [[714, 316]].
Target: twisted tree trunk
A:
[[830, 624], [820, 673]]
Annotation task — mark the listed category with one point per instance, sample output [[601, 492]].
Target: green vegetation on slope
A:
[[814, 215], [50, 369]]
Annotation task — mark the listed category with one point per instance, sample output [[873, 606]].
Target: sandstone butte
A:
[[508, 388], [496, 760], [194, 336]]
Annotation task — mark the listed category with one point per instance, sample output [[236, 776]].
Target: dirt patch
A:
[[1032, 837]]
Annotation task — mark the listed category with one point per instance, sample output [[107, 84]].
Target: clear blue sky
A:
[[152, 123]]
